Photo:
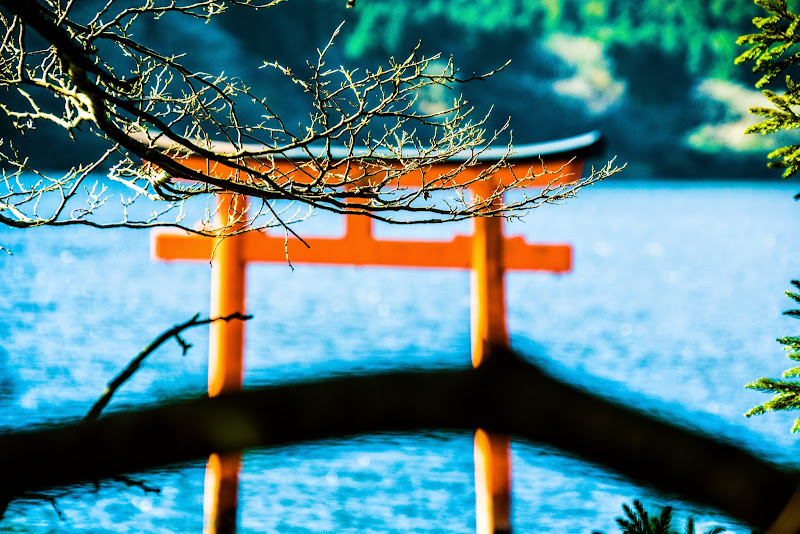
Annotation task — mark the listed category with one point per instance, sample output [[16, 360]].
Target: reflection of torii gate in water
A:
[[487, 253]]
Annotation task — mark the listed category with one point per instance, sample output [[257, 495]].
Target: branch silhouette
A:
[[513, 398], [127, 373]]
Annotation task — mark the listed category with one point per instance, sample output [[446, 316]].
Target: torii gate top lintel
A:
[[552, 162], [579, 146]]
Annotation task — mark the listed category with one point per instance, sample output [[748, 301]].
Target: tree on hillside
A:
[[83, 69]]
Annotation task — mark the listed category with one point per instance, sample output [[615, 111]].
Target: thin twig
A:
[[135, 363], [113, 386], [128, 481], [54, 504]]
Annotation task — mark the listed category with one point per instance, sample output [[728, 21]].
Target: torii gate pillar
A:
[[228, 265], [226, 358], [489, 339]]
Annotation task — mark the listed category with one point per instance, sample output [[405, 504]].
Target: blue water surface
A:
[[674, 303]]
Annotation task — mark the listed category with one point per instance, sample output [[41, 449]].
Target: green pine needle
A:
[[791, 342], [638, 521], [787, 393], [792, 373]]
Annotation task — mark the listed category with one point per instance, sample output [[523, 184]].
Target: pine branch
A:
[[639, 521], [771, 385], [792, 343], [793, 372], [662, 524], [772, 51], [787, 394]]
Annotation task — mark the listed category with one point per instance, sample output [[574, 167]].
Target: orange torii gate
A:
[[487, 252]]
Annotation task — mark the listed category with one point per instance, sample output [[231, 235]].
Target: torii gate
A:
[[486, 252]]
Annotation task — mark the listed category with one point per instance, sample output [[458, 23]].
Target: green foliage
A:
[[639, 521], [787, 393], [701, 32], [773, 51], [769, 47]]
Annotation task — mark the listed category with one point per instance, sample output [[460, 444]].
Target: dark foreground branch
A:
[[134, 364], [515, 398]]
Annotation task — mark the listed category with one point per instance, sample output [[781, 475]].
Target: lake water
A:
[[674, 303]]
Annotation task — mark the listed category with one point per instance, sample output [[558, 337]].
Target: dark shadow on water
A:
[[671, 412], [6, 379]]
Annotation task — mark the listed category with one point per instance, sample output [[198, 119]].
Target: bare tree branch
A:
[[94, 79], [133, 366]]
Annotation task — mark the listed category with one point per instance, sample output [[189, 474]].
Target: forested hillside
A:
[[656, 76], [702, 34]]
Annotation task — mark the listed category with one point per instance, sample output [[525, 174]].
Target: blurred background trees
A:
[[656, 76]]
